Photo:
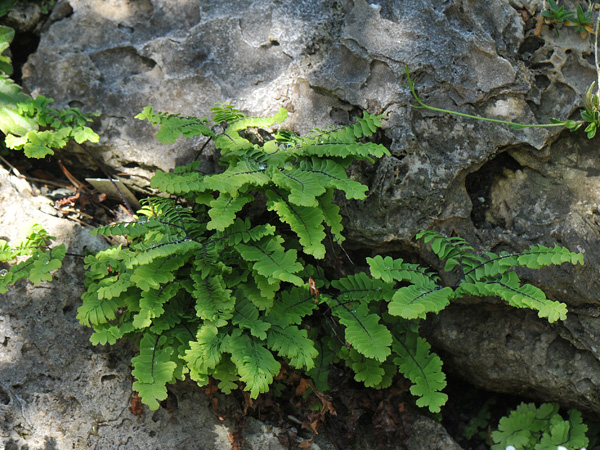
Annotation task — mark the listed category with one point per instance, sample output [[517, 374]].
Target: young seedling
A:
[[554, 16], [582, 21]]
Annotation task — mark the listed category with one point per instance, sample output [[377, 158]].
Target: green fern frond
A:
[[224, 112], [243, 123], [390, 270], [255, 364], [362, 288], [454, 250], [151, 304], [291, 307], [205, 351], [421, 367], [178, 183], [306, 222], [539, 256], [153, 369], [311, 178], [158, 272], [131, 229], [145, 254], [171, 317], [271, 260], [224, 210], [411, 302], [368, 370], [363, 127], [107, 333], [331, 215], [227, 375], [363, 330], [214, 302], [540, 428], [293, 344], [246, 316], [358, 150], [172, 126], [245, 174], [95, 311], [242, 231], [41, 259]]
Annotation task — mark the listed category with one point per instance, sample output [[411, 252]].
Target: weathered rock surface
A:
[[325, 61], [56, 389]]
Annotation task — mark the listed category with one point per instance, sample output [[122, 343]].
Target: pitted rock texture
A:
[[499, 188]]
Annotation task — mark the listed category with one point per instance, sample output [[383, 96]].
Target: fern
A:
[[198, 265], [60, 126], [210, 293], [421, 367], [153, 369], [543, 428], [492, 275], [35, 259]]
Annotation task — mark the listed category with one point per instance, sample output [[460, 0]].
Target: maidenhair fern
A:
[[543, 428], [33, 258], [209, 293], [30, 124]]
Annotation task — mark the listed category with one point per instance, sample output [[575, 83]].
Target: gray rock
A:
[[326, 61], [430, 435]]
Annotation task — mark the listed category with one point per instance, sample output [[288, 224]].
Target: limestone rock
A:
[[430, 435], [326, 61]]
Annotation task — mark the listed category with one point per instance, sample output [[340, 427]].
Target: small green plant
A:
[[478, 426], [20, 115], [556, 14], [37, 259], [543, 428], [207, 292], [30, 124], [582, 21], [54, 128]]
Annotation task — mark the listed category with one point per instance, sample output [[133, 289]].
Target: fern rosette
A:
[[209, 293]]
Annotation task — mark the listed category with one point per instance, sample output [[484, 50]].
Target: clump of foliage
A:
[[207, 292], [53, 128], [30, 124], [557, 16], [543, 428], [36, 259]]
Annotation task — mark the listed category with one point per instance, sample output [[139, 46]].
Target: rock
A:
[[430, 435], [24, 17], [175, 55], [326, 61]]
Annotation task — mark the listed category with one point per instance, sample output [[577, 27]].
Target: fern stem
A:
[[154, 354]]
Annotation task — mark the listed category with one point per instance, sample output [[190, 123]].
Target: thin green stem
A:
[[515, 125]]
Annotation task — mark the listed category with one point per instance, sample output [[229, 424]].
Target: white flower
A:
[[560, 447], [510, 447]]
